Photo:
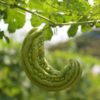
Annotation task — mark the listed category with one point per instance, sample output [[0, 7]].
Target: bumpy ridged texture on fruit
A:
[[38, 69]]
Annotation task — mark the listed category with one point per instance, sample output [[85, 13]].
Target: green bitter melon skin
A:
[[38, 69]]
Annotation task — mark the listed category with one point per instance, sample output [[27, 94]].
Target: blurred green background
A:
[[14, 84]]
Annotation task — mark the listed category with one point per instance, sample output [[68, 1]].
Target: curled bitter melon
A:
[[38, 69]]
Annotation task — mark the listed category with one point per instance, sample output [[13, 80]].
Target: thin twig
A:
[[35, 13], [79, 23]]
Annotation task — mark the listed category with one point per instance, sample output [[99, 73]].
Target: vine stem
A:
[[35, 13], [47, 19], [79, 23]]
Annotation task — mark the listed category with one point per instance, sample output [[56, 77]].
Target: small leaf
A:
[[14, 19], [86, 28], [97, 25], [19, 20], [11, 27], [72, 30], [35, 4], [36, 21], [47, 33], [1, 34], [57, 17]]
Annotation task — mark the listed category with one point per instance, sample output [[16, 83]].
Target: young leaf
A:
[[86, 28], [72, 30], [47, 33], [97, 25], [15, 20], [20, 20], [36, 21], [57, 17], [11, 27]]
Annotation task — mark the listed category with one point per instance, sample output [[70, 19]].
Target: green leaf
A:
[[72, 30], [35, 4], [15, 20], [20, 20], [86, 28], [11, 27], [47, 33], [11, 2], [1, 34], [97, 25], [57, 17], [36, 21]]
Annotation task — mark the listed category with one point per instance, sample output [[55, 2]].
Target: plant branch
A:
[[47, 19], [35, 13], [79, 23]]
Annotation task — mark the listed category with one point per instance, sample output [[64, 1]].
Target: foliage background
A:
[[14, 84]]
